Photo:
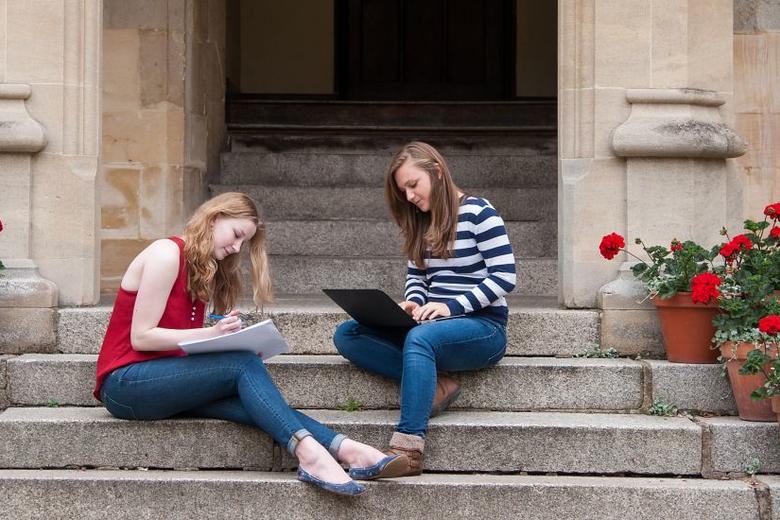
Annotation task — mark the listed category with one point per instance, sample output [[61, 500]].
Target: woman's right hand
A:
[[408, 307], [229, 324]]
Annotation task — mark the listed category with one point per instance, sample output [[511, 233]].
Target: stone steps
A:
[[514, 384], [458, 441], [372, 238], [183, 495], [537, 327], [305, 168], [368, 203], [294, 274]]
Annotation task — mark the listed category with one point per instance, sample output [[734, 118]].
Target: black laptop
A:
[[373, 308]]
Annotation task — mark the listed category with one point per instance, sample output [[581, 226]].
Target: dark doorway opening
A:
[[418, 50]]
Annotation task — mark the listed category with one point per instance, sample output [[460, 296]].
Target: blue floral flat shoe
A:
[[383, 468], [350, 488]]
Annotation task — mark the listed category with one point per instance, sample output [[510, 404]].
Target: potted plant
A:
[[763, 364], [749, 305], [682, 283]]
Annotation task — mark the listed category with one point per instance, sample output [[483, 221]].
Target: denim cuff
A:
[[296, 438], [335, 444]]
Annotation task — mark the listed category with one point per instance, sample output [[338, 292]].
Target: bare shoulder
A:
[[161, 257]]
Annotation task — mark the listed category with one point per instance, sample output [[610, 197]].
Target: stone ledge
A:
[[224, 494], [27, 330], [692, 387], [536, 326], [515, 384], [731, 443], [457, 441]]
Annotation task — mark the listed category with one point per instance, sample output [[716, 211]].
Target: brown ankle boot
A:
[[409, 462], [447, 390]]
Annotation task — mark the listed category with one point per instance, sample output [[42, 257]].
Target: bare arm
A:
[[160, 267]]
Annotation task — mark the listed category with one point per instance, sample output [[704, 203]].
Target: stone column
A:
[[53, 46], [605, 48], [27, 317], [677, 186]]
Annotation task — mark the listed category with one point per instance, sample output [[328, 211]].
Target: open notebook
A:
[[261, 338]]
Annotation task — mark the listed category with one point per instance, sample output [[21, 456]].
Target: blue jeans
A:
[[413, 357], [234, 386]]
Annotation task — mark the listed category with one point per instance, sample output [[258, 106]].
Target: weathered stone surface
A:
[[24, 287], [632, 332], [331, 381], [52, 379], [370, 237], [27, 330], [541, 442], [80, 330], [92, 495], [773, 483], [756, 16], [457, 441], [536, 326], [530, 170], [63, 437], [692, 387], [731, 443], [4, 401], [307, 275], [348, 202]]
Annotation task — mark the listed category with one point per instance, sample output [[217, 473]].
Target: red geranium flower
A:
[[774, 232], [769, 325], [611, 245], [773, 211], [704, 287], [676, 245], [741, 242], [728, 250]]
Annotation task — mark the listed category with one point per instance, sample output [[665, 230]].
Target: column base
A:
[[629, 321], [28, 318]]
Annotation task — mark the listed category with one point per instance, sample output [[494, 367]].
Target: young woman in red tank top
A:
[[143, 375]]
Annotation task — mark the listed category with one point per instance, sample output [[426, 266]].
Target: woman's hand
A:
[[409, 307], [430, 310], [229, 324]]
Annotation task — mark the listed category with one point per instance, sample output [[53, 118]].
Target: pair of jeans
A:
[[234, 386], [414, 356]]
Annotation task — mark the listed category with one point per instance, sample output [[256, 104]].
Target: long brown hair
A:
[[219, 281], [436, 228]]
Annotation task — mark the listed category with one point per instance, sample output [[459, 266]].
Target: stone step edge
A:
[[234, 494], [714, 437]]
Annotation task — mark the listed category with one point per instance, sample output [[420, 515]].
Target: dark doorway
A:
[[416, 50]]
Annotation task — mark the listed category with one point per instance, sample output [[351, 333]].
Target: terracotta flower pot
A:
[[743, 385], [687, 329]]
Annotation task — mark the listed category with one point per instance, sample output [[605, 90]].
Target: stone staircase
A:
[[320, 186], [542, 435]]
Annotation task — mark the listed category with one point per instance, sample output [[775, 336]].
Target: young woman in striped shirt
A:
[[460, 265]]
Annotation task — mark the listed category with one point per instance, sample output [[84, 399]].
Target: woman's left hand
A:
[[430, 310]]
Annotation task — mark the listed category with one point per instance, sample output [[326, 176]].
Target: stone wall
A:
[[757, 100], [163, 92]]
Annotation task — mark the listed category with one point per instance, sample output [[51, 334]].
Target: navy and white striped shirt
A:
[[480, 272]]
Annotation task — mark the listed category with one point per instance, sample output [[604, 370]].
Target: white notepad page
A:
[[261, 338]]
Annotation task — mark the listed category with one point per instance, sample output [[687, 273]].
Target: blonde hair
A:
[[219, 281], [436, 228]]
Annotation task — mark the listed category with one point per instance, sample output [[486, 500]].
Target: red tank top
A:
[[181, 312]]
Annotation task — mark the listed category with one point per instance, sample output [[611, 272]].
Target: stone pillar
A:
[[677, 186], [27, 317], [53, 47], [606, 48]]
